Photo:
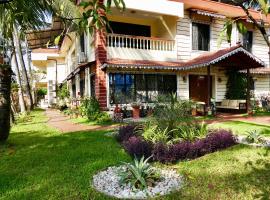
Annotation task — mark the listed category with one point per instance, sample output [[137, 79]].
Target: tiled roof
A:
[[220, 8], [243, 57]]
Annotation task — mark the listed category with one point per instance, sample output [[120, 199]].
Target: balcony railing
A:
[[138, 42]]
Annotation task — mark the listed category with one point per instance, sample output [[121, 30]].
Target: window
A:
[[82, 83], [127, 88], [200, 36], [247, 40], [93, 84], [73, 88], [82, 43]]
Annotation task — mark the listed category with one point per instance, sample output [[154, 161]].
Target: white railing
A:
[[139, 42]]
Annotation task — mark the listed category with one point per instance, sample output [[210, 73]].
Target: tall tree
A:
[[19, 82], [18, 50]]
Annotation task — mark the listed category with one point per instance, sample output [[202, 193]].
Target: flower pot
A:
[[194, 112], [136, 112]]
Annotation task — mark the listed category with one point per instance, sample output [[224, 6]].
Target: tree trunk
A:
[[19, 81], [5, 86], [30, 69], [22, 63]]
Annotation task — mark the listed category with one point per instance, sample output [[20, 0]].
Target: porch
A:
[[200, 79]]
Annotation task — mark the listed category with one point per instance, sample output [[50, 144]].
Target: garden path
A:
[[63, 124]]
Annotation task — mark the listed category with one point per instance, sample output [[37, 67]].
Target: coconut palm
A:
[[18, 16]]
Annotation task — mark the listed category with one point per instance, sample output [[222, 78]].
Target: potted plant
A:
[[135, 110]]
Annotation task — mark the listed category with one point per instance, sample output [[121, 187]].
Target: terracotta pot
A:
[[194, 112], [136, 112]]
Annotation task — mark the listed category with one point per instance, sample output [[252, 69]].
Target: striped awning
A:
[[208, 13]]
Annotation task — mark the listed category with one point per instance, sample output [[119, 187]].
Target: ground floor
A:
[[50, 168], [128, 86], [225, 74]]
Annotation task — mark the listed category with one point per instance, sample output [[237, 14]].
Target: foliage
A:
[[103, 117], [191, 131], [140, 174], [62, 92], [170, 112], [155, 134], [236, 85], [23, 117], [90, 108], [137, 147], [125, 132], [254, 137]]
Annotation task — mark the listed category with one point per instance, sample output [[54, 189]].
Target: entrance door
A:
[[198, 87]]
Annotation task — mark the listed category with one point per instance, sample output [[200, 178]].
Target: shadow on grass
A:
[[40, 165]]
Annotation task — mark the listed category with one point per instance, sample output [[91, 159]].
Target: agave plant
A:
[[140, 174], [254, 137]]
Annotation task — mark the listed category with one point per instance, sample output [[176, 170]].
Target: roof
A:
[[236, 57], [79, 68], [219, 8], [40, 38]]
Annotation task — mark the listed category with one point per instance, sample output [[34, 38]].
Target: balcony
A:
[[140, 48]]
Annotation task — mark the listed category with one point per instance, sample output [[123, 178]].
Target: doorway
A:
[[198, 87]]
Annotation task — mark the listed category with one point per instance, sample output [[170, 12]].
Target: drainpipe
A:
[[56, 74]]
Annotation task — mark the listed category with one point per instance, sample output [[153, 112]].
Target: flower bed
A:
[[109, 183], [136, 145]]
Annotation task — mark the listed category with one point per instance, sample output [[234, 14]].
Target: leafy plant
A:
[[140, 174], [254, 137], [125, 132], [138, 147], [155, 134], [103, 117], [63, 92], [191, 132], [90, 108], [169, 112]]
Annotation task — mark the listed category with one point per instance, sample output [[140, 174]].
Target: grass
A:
[[83, 120], [38, 162], [241, 128]]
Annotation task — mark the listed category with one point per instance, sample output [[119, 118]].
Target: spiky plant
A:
[[140, 174]]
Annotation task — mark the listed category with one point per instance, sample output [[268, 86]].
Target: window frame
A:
[[192, 36]]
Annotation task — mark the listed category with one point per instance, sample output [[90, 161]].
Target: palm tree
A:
[[5, 85], [21, 15]]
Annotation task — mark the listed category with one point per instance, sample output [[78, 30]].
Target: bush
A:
[[103, 117], [171, 113], [125, 132], [137, 147], [90, 108]]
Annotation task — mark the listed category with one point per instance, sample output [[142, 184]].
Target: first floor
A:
[[126, 87]]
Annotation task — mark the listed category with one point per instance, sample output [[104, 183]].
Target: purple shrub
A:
[[219, 139], [181, 149], [138, 147], [163, 153], [125, 132]]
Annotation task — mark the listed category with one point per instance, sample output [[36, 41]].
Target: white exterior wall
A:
[[262, 85]]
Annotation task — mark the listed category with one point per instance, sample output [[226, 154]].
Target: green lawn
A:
[[38, 162], [83, 120], [239, 127]]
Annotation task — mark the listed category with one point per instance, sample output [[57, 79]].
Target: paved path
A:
[[62, 123]]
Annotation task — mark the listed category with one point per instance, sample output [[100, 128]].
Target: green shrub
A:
[[254, 137], [103, 117], [170, 112], [90, 108], [140, 174], [63, 92], [190, 132]]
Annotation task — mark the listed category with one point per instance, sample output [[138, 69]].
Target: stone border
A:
[[242, 140], [108, 182]]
